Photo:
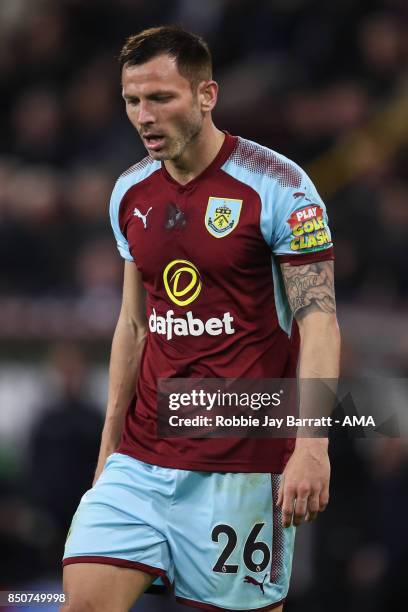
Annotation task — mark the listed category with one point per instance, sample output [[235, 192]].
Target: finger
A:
[[280, 494], [310, 518], [323, 499], [288, 503], [313, 505], [300, 510]]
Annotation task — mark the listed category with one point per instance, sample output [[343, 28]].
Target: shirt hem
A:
[[326, 254], [276, 467]]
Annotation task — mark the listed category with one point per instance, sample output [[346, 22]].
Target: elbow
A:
[[334, 332], [139, 331], [134, 328], [337, 332], [320, 326], [320, 346], [141, 334]]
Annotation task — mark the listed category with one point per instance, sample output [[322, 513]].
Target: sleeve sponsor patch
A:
[[309, 229]]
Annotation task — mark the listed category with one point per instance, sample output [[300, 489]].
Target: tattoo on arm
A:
[[309, 288]]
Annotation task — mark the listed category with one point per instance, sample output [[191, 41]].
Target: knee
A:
[[79, 605]]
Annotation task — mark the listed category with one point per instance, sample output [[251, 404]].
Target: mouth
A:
[[153, 141]]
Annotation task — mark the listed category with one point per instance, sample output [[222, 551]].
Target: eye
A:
[[162, 98]]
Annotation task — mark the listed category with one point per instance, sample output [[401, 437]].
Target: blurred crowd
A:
[[300, 76], [324, 83]]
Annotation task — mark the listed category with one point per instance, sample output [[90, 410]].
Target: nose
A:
[[145, 115]]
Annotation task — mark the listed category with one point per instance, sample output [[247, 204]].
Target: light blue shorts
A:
[[217, 536]]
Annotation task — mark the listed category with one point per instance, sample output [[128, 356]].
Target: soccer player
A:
[[224, 242]]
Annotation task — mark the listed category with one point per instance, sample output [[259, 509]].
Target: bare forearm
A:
[[320, 349], [305, 487], [318, 373], [310, 291], [127, 347]]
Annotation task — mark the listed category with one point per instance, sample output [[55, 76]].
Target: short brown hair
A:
[[191, 52]]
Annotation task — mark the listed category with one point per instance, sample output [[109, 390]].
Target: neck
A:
[[197, 156]]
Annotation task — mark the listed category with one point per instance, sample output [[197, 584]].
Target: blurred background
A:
[[324, 83]]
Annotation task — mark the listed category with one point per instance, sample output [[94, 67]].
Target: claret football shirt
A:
[[209, 254]]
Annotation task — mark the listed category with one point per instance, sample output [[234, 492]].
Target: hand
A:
[[304, 489]]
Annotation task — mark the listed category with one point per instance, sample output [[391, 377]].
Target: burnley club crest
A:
[[222, 216]]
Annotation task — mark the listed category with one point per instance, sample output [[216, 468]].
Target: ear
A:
[[207, 92]]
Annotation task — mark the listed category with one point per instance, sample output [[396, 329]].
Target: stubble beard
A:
[[189, 129]]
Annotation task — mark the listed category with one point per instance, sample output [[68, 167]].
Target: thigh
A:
[[92, 587], [121, 522], [227, 541]]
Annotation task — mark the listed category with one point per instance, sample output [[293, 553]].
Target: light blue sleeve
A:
[[115, 201], [135, 174], [294, 220]]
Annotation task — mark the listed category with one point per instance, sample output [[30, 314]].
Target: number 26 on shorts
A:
[[250, 547]]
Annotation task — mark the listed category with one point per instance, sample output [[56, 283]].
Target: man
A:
[[197, 222]]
